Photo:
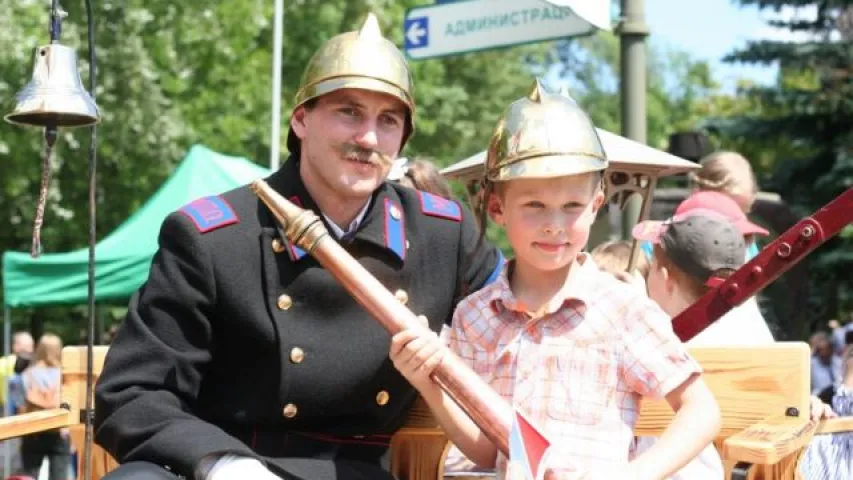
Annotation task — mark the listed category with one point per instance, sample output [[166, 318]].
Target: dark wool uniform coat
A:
[[240, 343]]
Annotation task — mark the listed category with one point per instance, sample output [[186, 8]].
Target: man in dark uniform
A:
[[241, 357]]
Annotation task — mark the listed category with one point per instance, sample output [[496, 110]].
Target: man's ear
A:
[[495, 208], [297, 122]]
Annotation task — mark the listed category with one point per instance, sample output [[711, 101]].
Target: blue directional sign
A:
[[416, 32], [452, 28]]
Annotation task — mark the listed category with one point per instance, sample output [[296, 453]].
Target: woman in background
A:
[[731, 174], [41, 382]]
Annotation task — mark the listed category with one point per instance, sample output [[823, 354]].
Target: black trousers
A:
[[34, 449], [295, 469]]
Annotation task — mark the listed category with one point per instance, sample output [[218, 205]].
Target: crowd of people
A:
[[31, 375], [241, 357]]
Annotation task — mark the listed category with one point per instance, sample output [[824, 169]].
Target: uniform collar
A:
[[351, 228], [381, 222], [581, 288]]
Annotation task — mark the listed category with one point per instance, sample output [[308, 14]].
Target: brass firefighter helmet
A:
[[543, 135], [362, 59]]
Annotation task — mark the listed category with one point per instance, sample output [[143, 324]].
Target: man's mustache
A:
[[355, 152]]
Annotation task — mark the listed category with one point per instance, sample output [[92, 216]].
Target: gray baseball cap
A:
[[699, 244]]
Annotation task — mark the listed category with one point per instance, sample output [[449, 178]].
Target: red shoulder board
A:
[[436, 206], [210, 213]]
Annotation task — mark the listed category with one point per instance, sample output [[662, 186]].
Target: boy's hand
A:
[[416, 352]]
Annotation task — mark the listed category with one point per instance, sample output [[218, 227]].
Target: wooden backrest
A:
[[74, 370], [749, 383], [73, 393]]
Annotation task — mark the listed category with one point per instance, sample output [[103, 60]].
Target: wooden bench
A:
[[763, 393]]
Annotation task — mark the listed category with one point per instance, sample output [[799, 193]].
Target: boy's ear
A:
[[668, 280], [495, 208], [598, 200]]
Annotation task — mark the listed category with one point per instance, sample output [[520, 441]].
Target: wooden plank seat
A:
[[763, 393]]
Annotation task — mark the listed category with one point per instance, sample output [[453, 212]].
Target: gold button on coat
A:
[[382, 398], [402, 296], [284, 302], [289, 410], [277, 245], [297, 355]]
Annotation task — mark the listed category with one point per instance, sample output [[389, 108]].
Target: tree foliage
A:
[[171, 74], [808, 113]]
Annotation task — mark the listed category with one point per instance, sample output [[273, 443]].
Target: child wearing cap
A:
[[694, 251], [570, 346], [746, 317], [722, 204]]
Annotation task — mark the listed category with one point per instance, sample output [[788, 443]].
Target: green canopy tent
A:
[[122, 258]]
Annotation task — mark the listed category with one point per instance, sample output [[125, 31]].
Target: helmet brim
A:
[[342, 82], [548, 166]]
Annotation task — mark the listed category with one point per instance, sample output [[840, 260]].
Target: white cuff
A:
[[233, 467]]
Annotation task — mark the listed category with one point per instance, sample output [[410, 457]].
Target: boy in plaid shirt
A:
[[570, 346]]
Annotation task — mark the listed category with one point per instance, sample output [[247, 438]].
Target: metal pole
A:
[[7, 411], [632, 74], [275, 135]]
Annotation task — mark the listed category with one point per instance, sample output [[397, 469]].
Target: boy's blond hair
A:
[[613, 257]]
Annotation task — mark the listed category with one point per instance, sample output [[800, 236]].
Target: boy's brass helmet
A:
[[362, 59], [543, 135]]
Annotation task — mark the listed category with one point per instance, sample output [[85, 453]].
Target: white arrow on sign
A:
[[460, 27], [415, 33]]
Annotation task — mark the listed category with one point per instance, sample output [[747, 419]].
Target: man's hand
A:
[[416, 352]]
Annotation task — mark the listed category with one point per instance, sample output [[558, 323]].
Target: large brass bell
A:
[[55, 97]]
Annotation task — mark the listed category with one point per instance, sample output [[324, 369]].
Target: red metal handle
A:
[[774, 260]]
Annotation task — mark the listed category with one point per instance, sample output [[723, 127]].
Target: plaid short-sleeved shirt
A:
[[577, 372]]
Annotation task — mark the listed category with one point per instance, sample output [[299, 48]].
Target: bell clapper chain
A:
[[50, 135]]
